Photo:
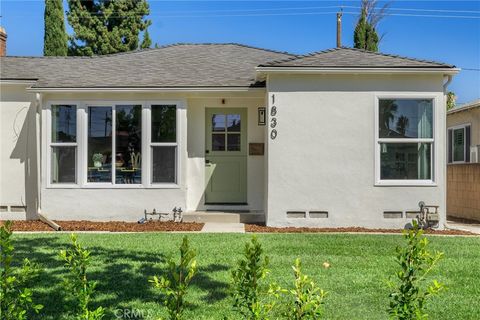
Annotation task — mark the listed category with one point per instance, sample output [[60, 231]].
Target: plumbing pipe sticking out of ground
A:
[[51, 223]]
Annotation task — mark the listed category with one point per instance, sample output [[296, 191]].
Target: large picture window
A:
[[405, 139], [63, 144], [125, 145]]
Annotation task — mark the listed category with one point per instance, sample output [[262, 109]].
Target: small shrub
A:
[[308, 299], [77, 261], [410, 291], [175, 284], [249, 290], [15, 296]]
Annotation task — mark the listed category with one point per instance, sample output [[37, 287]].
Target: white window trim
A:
[[465, 149], [434, 141], [82, 141]]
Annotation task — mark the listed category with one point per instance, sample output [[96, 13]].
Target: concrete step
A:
[[224, 217], [220, 227]]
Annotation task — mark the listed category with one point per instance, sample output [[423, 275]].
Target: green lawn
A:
[[360, 264]]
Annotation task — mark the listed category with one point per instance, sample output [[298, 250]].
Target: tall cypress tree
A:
[[55, 37], [106, 26], [365, 36], [147, 41]]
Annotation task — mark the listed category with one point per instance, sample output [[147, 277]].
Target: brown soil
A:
[[261, 228], [112, 226]]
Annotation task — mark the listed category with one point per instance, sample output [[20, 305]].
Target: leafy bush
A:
[[175, 284], [249, 290], [308, 299], [15, 296], [410, 291], [77, 261]]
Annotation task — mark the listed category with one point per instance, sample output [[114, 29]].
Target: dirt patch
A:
[[262, 228], [112, 226]]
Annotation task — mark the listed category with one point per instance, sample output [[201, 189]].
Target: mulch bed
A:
[[111, 226], [264, 229]]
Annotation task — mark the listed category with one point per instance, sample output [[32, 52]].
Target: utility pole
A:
[[339, 28]]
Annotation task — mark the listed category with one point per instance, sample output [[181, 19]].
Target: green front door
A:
[[226, 155]]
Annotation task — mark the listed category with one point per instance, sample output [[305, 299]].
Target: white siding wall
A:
[[324, 157], [17, 151]]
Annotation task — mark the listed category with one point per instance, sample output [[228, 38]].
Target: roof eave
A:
[[143, 89], [359, 70]]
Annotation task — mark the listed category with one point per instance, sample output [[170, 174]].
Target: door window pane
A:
[[99, 144], [128, 144], [163, 164], [405, 161], [218, 142], [218, 122], [64, 123], [233, 123], [405, 118], [459, 144], [63, 164], [164, 123], [233, 142]]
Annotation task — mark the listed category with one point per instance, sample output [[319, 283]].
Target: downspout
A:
[[445, 85], [38, 119]]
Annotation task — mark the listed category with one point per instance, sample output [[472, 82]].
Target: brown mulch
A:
[[111, 226], [256, 228]]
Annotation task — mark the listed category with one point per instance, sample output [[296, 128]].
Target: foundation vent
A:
[[318, 214], [296, 214], [392, 214], [412, 214]]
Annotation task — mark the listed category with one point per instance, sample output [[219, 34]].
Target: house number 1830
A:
[[273, 120]]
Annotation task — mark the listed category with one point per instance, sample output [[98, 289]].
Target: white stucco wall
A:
[[323, 158], [17, 152], [75, 203]]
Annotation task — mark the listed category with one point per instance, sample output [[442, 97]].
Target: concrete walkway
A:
[[471, 227], [223, 227]]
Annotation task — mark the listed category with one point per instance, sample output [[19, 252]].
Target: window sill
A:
[[406, 183], [110, 186]]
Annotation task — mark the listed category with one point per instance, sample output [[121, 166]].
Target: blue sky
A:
[[446, 31]]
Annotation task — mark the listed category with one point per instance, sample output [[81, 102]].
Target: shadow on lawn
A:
[[119, 283]]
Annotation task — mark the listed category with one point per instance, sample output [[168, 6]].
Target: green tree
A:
[[55, 38], [105, 26], [147, 41], [365, 35], [451, 100]]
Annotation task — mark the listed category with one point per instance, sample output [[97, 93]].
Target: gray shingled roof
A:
[[353, 58], [186, 65], [179, 65]]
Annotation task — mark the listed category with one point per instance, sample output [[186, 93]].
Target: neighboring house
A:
[[348, 137], [463, 183]]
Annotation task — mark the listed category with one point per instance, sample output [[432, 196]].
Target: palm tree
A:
[[402, 125], [388, 109]]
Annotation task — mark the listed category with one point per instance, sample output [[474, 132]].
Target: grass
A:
[[355, 281]]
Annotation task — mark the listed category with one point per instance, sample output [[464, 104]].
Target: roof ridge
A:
[[140, 51], [299, 56]]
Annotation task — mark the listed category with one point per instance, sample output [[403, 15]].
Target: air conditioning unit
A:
[[475, 154]]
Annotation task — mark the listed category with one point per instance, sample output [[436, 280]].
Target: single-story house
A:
[[340, 137], [463, 172]]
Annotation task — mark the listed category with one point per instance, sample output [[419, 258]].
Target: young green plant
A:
[[410, 290], [77, 261], [15, 296], [175, 284]]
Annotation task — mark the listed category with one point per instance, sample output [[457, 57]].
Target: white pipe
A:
[[445, 85], [38, 119]]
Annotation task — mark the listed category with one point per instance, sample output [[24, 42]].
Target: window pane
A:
[[128, 144], [218, 142], [63, 164], [233, 142], [64, 123], [233, 123], [163, 164], [218, 122], [99, 144], [405, 118], [405, 161], [164, 123], [459, 144]]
